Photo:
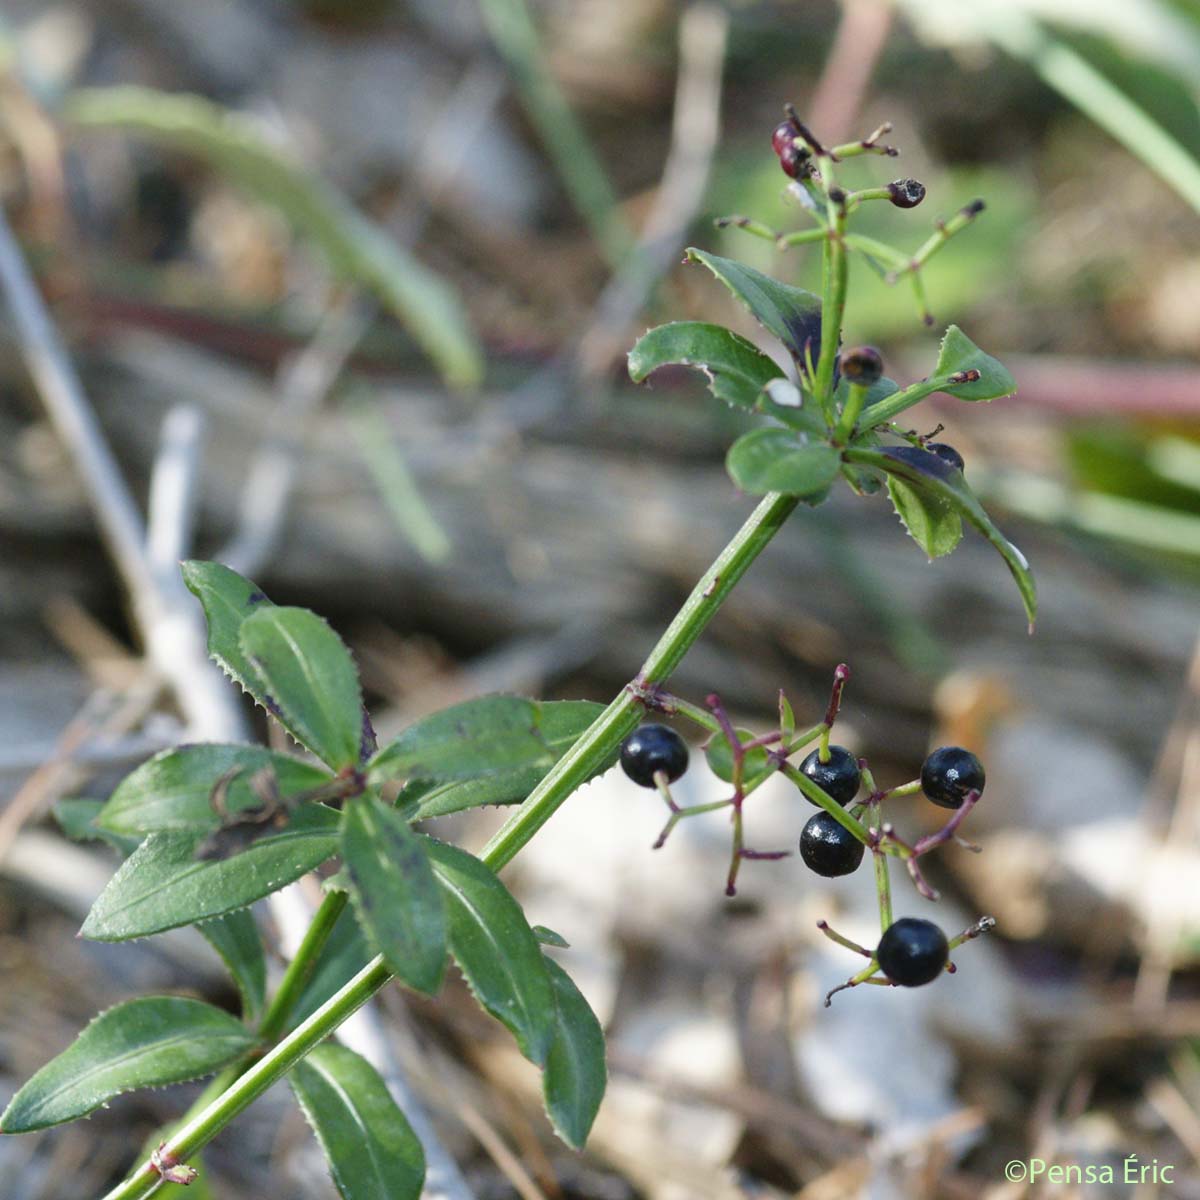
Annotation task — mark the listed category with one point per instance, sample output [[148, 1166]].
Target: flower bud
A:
[[863, 365], [906, 193], [782, 136], [794, 159]]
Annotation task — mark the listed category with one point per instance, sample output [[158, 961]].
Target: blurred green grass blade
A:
[[1148, 526], [516, 37], [414, 518], [357, 249], [1069, 73]]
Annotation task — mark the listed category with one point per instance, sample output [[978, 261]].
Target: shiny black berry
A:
[[862, 365], [906, 193], [828, 847], [946, 454], [949, 773], [651, 749], [838, 777], [912, 952]]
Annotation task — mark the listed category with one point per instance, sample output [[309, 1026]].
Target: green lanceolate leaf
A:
[[576, 1074], [371, 1149], [148, 1042], [495, 949], [310, 675], [174, 789], [774, 460], [549, 938], [790, 313], [76, 817], [236, 939], [482, 737], [932, 522], [163, 885], [933, 474], [737, 370], [959, 353], [357, 249], [227, 599], [561, 724], [395, 894]]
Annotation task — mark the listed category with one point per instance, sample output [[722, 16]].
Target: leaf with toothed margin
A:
[[495, 949], [173, 790], [163, 885], [236, 939], [149, 1042], [926, 470], [229, 599], [737, 370], [790, 313], [369, 1145], [576, 1072], [487, 736], [561, 723], [312, 678], [395, 894], [959, 353], [932, 522]]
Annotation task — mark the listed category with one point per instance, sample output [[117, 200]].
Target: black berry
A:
[[782, 136], [828, 847], [838, 777], [912, 952], [946, 453], [906, 193], [949, 773], [651, 749], [862, 365]]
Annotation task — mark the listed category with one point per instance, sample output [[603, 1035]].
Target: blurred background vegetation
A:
[[390, 255]]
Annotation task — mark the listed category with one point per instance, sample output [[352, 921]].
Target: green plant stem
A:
[[619, 718], [579, 764], [800, 237], [883, 884], [936, 240], [831, 806], [891, 406], [833, 306], [202, 1128], [301, 968], [854, 404]]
